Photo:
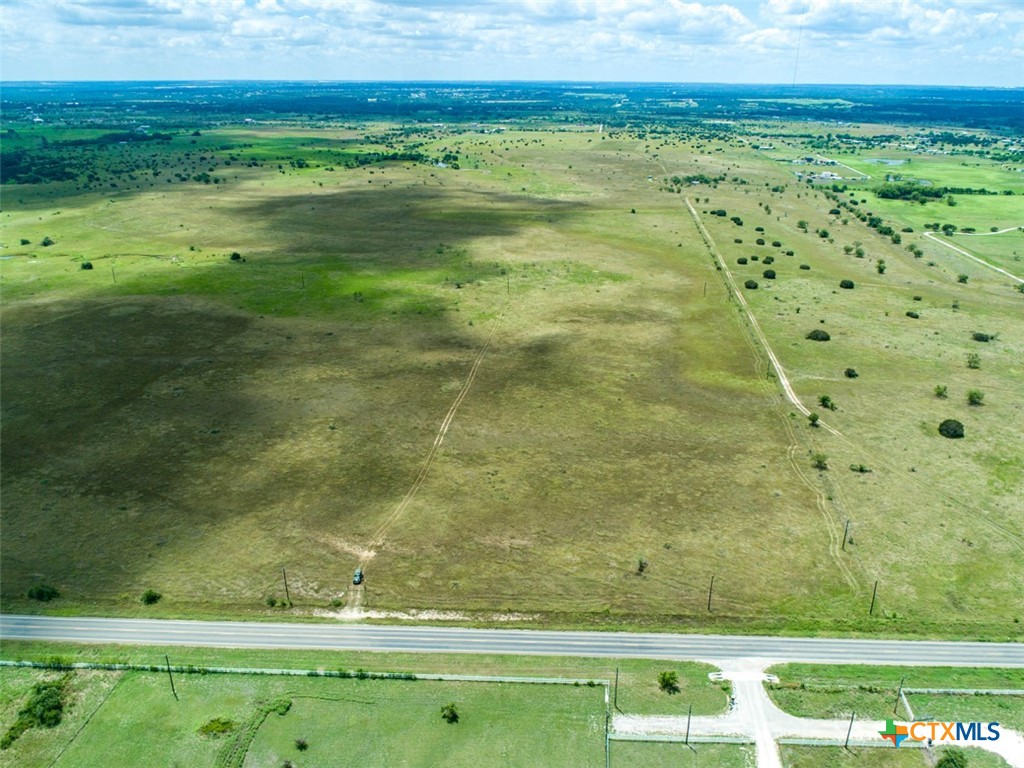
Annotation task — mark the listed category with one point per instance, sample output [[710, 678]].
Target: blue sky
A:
[[940, 42]]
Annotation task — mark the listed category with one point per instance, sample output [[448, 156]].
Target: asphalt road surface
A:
[[367, 637]]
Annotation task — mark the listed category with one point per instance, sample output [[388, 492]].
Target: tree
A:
[[802, 225], [43, 592], [47, 241], [768, 274], [975, 397], [818, 335], [952, 757], [819, 461], [962, 278], [669, 682], [973, 361], [847, 284], [952, 429], [851, 373], [750, 285], [641, 565], [880, 266], [940, 391], [449, 713], [150, 596], [826, 402]]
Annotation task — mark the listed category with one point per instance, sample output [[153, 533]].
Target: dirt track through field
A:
[[972, 257], [382, 531]]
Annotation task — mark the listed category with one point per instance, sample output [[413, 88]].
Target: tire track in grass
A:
[[381, 533], [762, 348]]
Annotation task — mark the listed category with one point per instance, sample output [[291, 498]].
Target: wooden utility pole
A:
[[171, 677], [846, 535], [898, 694], [286, 595], [689, 713], [710, 590], [849, 731], [874, 593], [616, 702]]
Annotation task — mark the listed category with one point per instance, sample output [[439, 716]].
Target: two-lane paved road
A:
[[368, 637]]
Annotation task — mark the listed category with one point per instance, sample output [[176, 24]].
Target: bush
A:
[[86, 265], [44, 593], [973, 361], [45, 708], [236, 256], [760, 241], [826, 402], [776, 244], [851, 373], [768, 274], [917, 298], [25, 242], [975, 397], [449, 713], [750, 285], [913, 314], [789, 253], [768, 260], [805, 266], [150, 596], [819, 461], [952, 757], [47, 241], [669, 682], [952, 429], [978, 336], [940, 391], [847, 284], [301, 744], [818, 335], [218, 726], [741, 260], [961, 278], [738, 240]]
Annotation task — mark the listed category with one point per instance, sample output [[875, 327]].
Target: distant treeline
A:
[[912, 190], [115, 138]]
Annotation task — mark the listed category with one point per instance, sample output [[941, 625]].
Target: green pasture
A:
[[874, 757], [834, 691], [181, 421], [659, 754]]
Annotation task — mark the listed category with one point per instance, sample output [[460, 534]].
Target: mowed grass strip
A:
[[638, 691], [834, 691]]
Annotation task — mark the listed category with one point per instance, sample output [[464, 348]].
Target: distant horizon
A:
[[497, 81], [951, 43]]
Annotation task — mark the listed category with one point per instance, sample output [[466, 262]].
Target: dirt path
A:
[[971, 256], [758, 333]]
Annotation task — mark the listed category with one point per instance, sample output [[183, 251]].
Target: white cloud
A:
[[722, 40]]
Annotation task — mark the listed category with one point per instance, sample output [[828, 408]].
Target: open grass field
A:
[[675, 755], [499, 389], [835, 691], [343, 721], [829, 757], [638, 687]]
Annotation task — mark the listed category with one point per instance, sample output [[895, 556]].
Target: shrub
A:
[[738, 240], [741, 260], [913, 314], [813, 419], [776, 244], [826, 402], [271, 601], [301, 744], [236, 256], [847, 284], [952, 757], [818, 335], [759, 229], [449, 713], [819, 461], [940, 391], [880, 266], [750, 285], [44, 593], [851, 373], [789, 253], [975, 397], [952, 429], [760, 241], [151, 596], [218, 726], [86, 265], [973, 361], [805, 266], [25, 241], [45, 708], [768, 274], [47, 241], [669, 682], [978, 336], [961, 278], [768, 260], [917, 298]]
